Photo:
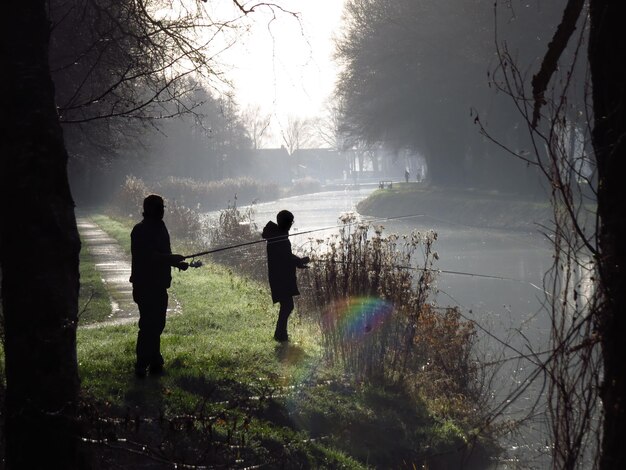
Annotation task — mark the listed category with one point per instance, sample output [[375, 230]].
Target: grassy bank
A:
[[234, 398], [478, 209]]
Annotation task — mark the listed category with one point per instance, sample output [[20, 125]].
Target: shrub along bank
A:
[[234, 398]]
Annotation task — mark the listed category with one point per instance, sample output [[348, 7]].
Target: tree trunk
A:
[[607, 49], [39, 247]]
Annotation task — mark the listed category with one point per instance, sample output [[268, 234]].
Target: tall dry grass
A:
[[371, 296], [236, 226]]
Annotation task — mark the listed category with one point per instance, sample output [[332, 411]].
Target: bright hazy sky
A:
[[284, 65]]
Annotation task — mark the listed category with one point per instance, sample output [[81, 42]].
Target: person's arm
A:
[[144, 250], [174, 260], [300, 262]]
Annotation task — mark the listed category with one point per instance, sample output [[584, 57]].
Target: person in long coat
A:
[[152, 260], [281, 269]]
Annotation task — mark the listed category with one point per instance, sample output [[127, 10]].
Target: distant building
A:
[[272, 165], [321, 164], [277, 166]]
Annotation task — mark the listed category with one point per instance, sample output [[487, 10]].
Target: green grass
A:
[[225, 321], [220, 355], [232, 397]]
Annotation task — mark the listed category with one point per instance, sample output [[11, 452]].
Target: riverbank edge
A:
[[464, 207]]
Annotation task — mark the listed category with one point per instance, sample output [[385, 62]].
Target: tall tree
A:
[[39, 248], [607, 49], [414, 70]]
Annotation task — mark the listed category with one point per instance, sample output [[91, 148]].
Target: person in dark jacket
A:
[[281, 269], [152, 260]]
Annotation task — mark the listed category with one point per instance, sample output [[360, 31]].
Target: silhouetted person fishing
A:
[[152, 260], [281, 268]]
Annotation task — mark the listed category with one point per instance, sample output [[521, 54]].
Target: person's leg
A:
[[286, 307], [141, 298], [152, 310], [157, 327]]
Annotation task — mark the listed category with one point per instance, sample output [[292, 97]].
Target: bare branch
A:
[[555, 49]]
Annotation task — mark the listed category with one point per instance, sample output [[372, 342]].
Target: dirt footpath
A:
[[113, 264]]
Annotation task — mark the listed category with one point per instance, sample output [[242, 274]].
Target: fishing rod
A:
[[281, 237]]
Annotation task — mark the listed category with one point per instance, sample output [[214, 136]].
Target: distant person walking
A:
[[151, 276], [281, 267], [407, 175]]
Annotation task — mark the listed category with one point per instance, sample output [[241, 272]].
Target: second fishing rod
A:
[[270, 240]]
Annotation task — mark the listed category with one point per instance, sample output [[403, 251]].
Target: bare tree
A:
[[121, 68], [257, 125], [329, 127], [128, 58], [296, 134], [133, 56]]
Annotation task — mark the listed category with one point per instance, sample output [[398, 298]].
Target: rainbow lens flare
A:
[[356, 317]]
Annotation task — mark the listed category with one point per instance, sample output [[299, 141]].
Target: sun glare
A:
[[283, 64]]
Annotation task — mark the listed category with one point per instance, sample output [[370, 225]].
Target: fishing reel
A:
[[195, 264]]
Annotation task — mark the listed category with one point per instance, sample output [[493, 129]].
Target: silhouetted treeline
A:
[[417, 73], [122, 69]]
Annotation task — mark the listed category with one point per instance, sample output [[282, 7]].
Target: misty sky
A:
[[285, 65]]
